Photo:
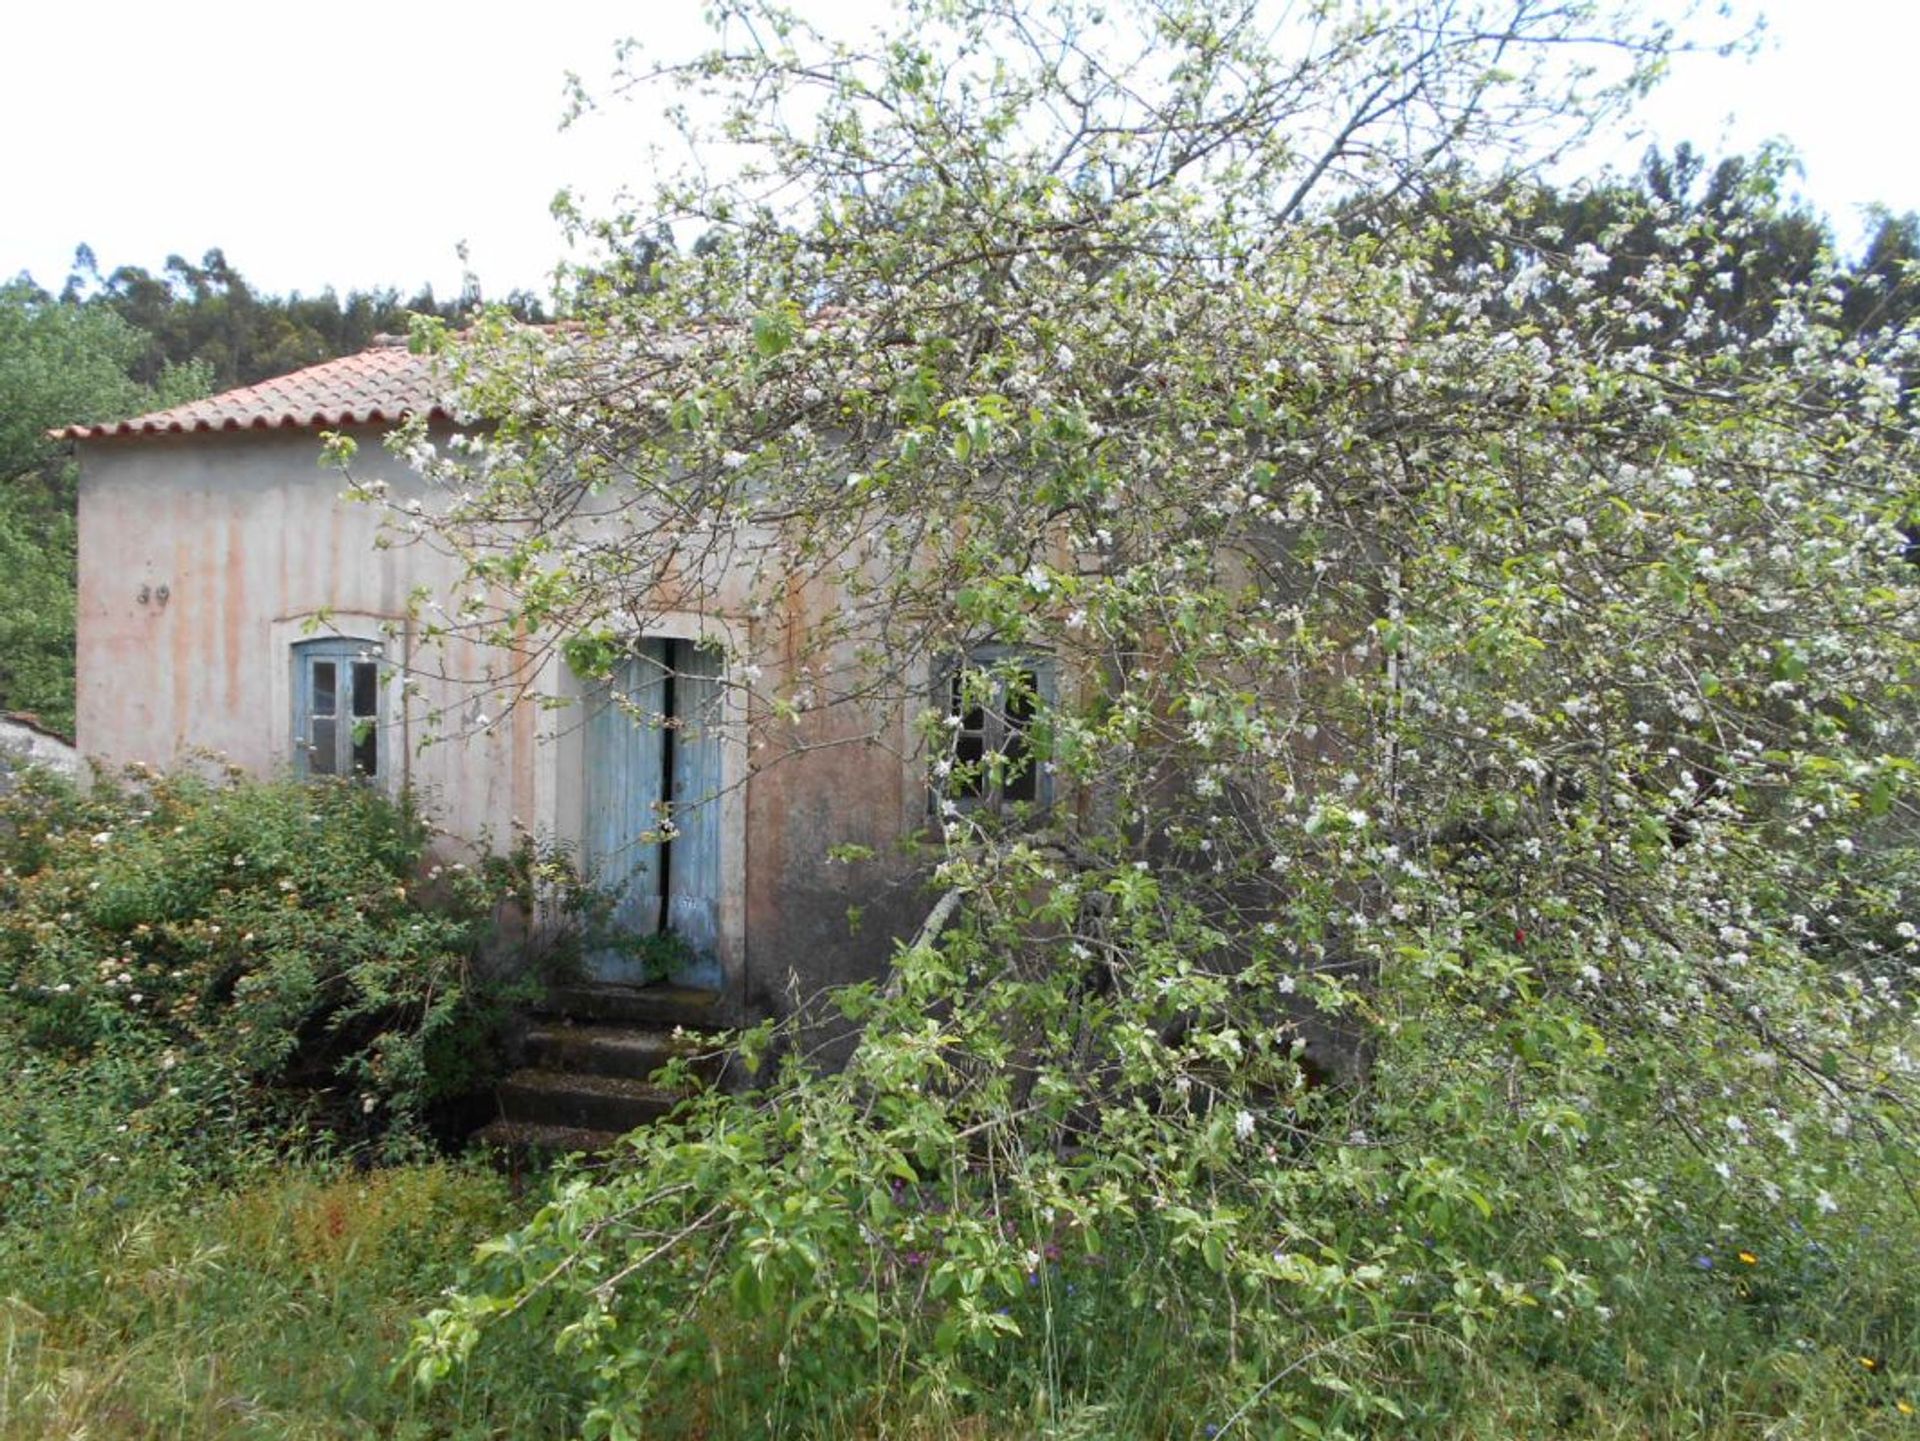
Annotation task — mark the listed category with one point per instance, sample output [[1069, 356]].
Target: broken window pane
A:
[[366, 747], [320, 755], [968, 752], [1020, 698], [1018, 708], [325, 700], [1019, 779]]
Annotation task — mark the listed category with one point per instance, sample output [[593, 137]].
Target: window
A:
[[995, 703], [336, 708]]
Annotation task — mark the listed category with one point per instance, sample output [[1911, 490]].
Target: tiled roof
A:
[[380, 385]]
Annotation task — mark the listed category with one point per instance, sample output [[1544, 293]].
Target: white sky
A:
[[356, 144]]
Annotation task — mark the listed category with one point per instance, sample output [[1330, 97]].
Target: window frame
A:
[[346, 654], [995, 732]]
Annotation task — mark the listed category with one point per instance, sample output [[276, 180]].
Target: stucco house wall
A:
[[203, 559], [207, 554]]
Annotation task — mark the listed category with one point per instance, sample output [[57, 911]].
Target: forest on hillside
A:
[[108, 344]]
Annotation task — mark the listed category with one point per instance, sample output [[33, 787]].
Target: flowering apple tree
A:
[[1482, 858]]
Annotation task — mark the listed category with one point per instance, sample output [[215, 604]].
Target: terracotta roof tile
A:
[[380, 385]]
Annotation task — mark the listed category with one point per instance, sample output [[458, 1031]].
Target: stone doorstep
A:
[[600, 1050], [526, 1138], [650, 1007], [590, 1054], [589, 1102]]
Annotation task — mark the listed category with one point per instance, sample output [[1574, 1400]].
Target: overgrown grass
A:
[[1101, 1367], [272, 1311], [217, 1005], [280, 1309]]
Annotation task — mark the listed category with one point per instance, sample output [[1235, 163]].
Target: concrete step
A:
[[526, 1139], [590, 1055], [659, 1007], [602, 1050], [534, 1096]]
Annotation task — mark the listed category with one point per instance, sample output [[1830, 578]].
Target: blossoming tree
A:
[[1488, 682]]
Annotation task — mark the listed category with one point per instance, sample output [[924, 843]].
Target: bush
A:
[[188, 969]]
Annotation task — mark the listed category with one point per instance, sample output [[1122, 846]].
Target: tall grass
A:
[[279, 1309], [273, 1311]]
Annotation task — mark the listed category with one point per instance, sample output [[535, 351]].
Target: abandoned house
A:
[[233, 603]]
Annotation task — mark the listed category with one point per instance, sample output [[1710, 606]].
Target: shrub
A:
[[186, 968]]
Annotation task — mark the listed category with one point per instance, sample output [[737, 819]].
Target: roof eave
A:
[[136, 430]]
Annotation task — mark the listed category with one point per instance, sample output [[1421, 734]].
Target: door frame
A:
[[563, 738]]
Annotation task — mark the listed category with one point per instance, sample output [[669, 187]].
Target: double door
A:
[[652, 832]]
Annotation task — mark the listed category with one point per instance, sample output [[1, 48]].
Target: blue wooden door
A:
[[693, 856], [652, 822], [625, 803]]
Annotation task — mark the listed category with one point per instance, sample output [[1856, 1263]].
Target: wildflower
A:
[[1869, 1363], [1747, 1258]]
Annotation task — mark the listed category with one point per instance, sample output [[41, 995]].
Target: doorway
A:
[[652, 818]]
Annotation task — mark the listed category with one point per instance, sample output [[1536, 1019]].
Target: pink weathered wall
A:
[[250, 536]]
